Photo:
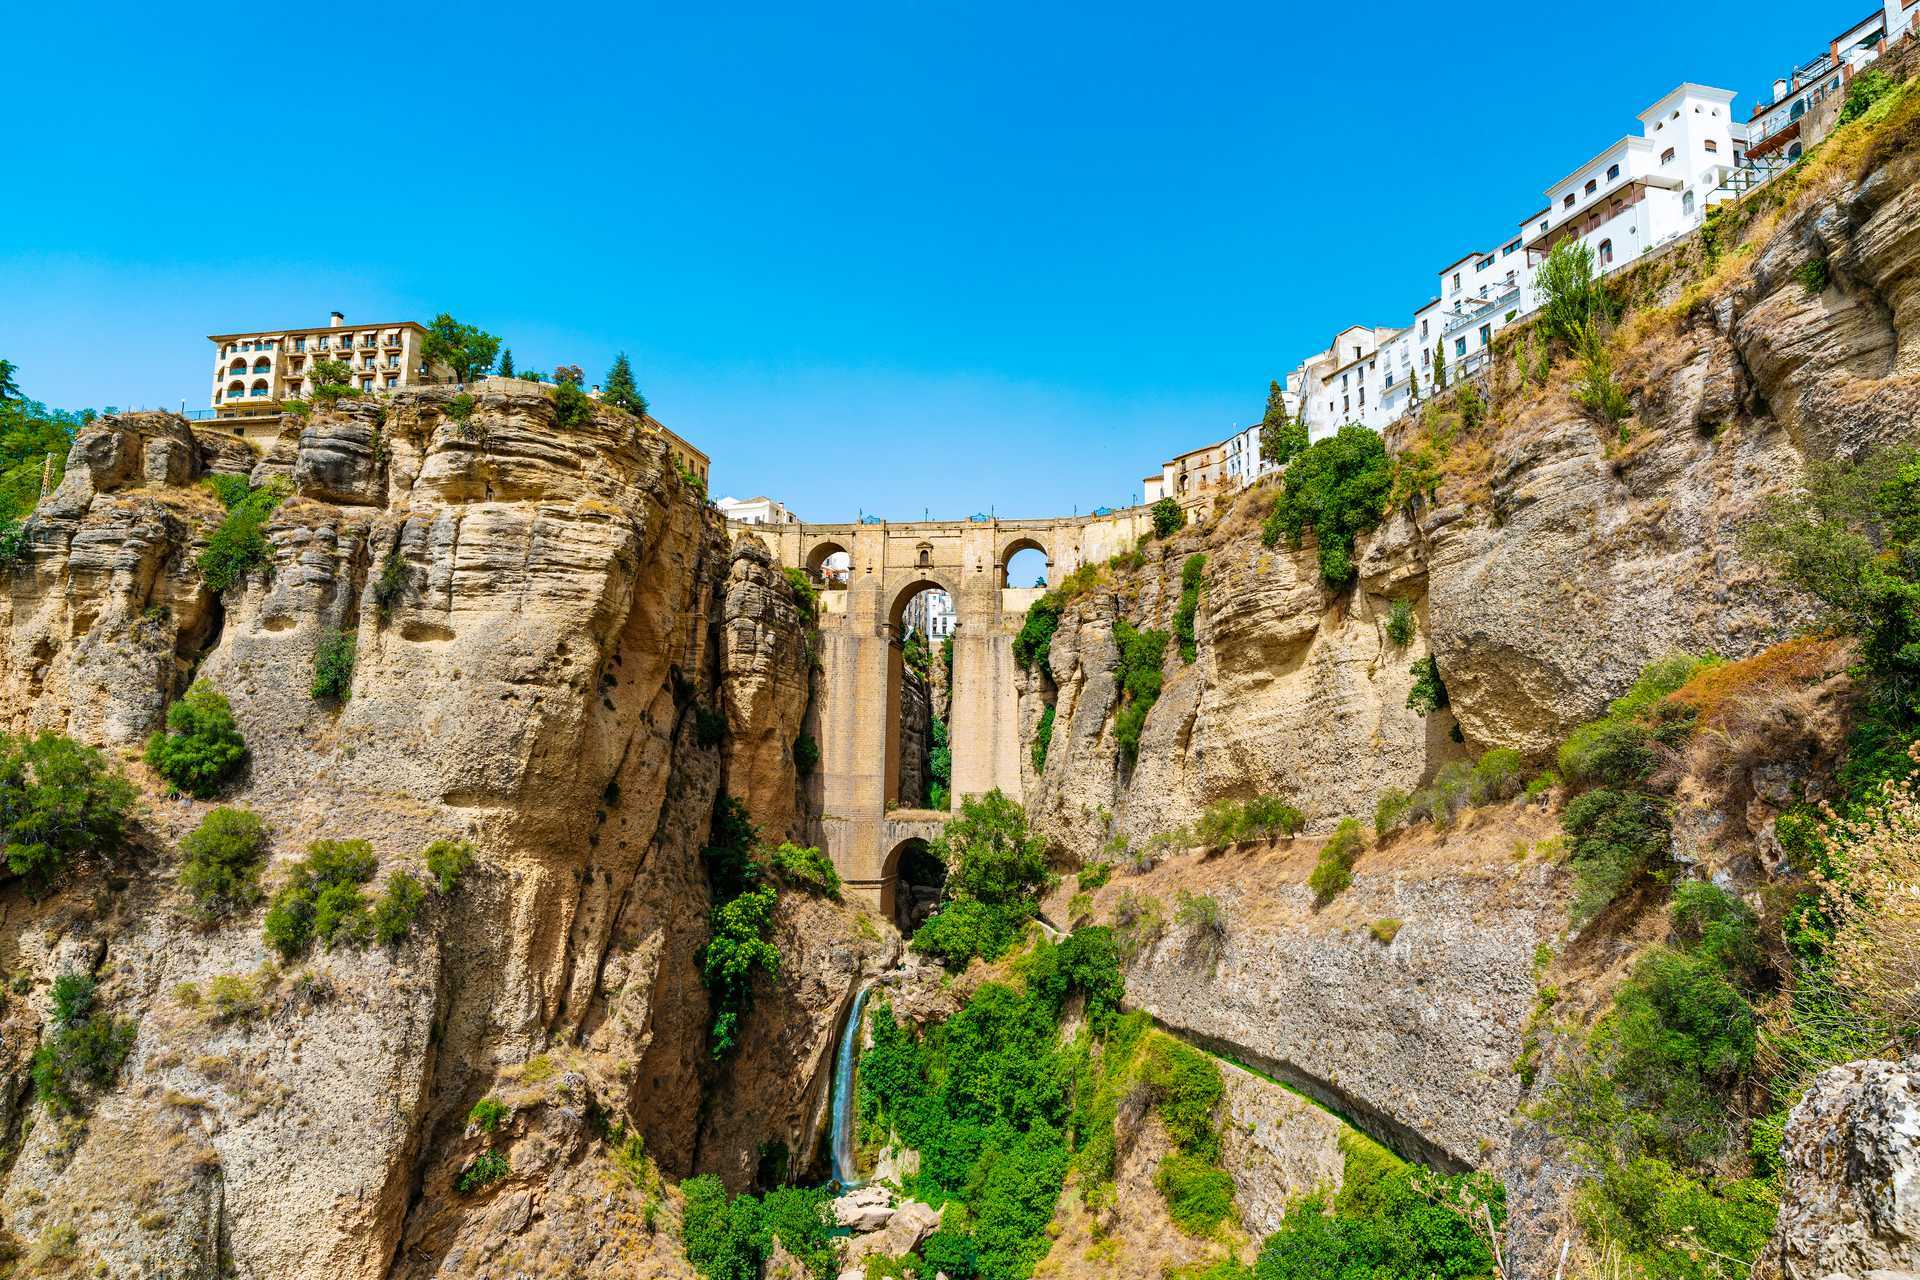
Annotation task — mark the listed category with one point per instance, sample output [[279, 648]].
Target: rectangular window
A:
[[1712, 145], [1566, 201], [1486, 335], [1666, 157], [1460, 346], [1426, 357], [1346, 403], [392, 382], [366, 384], [1423, 328], [299, 344], [1456, 282], [1363, 397]]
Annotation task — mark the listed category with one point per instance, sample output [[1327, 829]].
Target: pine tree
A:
[[1439, 366], [620, 389], [1276, 406], [1413, 384], [506, 363]]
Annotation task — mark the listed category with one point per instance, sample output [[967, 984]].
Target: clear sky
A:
[[887, 258]]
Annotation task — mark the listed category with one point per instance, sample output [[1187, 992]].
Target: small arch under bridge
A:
[[860, 630]]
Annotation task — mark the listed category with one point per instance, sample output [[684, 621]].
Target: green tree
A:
[[9, 389], [990, 854], [506, 362], [1167, 518], [221, 860], [1339, 489], [1863, 91], [1572, 299], [58, 800], [332, 379], [620, 390], [1440, 366], [1282, 437], [466, 350], [202, 746]]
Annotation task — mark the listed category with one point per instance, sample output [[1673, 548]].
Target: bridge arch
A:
[[1013, 547], [816, 563], [914, 878]]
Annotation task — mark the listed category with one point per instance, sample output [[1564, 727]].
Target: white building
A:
[[1779, 130], [760, 510], [930, 612]]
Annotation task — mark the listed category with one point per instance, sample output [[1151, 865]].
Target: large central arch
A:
[[859, 706]]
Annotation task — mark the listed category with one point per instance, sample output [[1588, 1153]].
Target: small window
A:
[[1566, 202], [1486, 335], [1426, 357], [1593, 185], [1456, 282], [1686, 203], [1363, 397], [1346, 403], [1613, 171], [1712, 145], [1606, 253], [1423, 328], [1666, 157], [1460, 345]]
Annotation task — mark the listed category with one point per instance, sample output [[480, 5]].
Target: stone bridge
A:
[[864, 828]]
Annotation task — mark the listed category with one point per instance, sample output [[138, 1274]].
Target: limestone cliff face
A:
[[549, 625]]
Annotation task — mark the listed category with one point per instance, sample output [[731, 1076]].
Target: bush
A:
[[395, 911], [231, 490], [990, 854], [482, 1172], [1191, 576], [1496, 776], [321, 899], [1168, 518], [333, 665], [80, 1057], [1033, 644], [1429, 693], [1400, 622], [221, 861], [807, 868], [58, 800], [390, 588], [1339, 489], [201, 747], [489, 1114], [737, 949], [1572, 297], [460, 408], [1812, 275], [1333, 873], [1199, 1194], [964, 928], [1385, 930], [1142, 657], [72, 997], [1865, 89], [237, 546], [572, 407], [1095, 876], [447, 861], [709, 727], [1617, 837], [806, 755], [1042, 738], [1595, 390], [731, 1239], [1389, 809]]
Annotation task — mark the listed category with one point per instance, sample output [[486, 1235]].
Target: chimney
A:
[[335, 320], [1779, 90]]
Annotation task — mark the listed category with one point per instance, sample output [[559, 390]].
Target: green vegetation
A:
[[489, 1114], [914, 654], [1191, 575], [1812, 275], [1400, 624], [202, 747], [447, 862], [237, 546], [1863, 91], [1143, 655], [1094, 876], [1034, 643], [1042, 738], [996, 873], [332, 381], [805, 594], [1498, 775], [467, 351], [1573, 299], [58, 800], [739, 923], [221, 860], [709, 726], [1390, 1219], [321, 900], [1260, 818], [1595, 388], [506, 362], [730, 1238], [1333, 872], [940, 766], [806, 755], [619, 389], [572, 407], [390, 588], [1168, 518], [1338, 488], [482, 1172], [393, 914], [1282, 437], [805, 868], [987, 1098], [333, 661], [1429, 692], [83, 1050], [461, 407]]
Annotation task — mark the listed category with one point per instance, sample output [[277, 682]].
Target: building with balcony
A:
[[931, 613], [1806, 102], [760, 510], [253, 373]]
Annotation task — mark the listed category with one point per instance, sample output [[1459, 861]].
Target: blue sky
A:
[[898, 258]]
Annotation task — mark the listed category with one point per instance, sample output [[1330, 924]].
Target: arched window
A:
[[1686, 203], [238, 366], [1606, 253], [1797, 110], [262, 365], [1793, 152], [925, 557], [236, 389], [259, 387]]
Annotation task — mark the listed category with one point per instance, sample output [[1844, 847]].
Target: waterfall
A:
[[840, 1131]]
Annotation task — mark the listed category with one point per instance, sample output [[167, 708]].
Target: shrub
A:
[[230, 489], [1429, 693], [236, 997], [201, 747], [1137, 921], [321, 899], [221, 861], [489, 1114], [58, 800], [1142, 657], [460, 408], [1033, 644], [333, 665], [1042, 738], [390, 588], [990, 854], [572, 407], [808, 868], [1201, 916], [397, 908], [1095, 875], [1168, 518], [806, 755], [1572, 298], [1595, 390], [447, 861], [482, 1172], [1389, 809], [1333, 873], [965, 928], [1400, 623], [709, 727], [1812, 275], [80, 1057], [72, 997], [1191, 575], [1863, 91], [1496, 776], [737, 948], [237, 546], [1199, 1194], [1385, 930], [1618, 836], [1339, 489]]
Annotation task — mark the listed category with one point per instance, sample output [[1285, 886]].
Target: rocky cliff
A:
[[560, 660]]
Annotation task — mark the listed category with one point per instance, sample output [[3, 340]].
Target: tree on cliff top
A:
[[506, 362], [465, 349], [620, 389], [1281, 436], [9, 389]]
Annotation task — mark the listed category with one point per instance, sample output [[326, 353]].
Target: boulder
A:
[[865, 1208], [908, 1226]]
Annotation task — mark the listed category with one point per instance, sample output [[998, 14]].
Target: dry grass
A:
[[1801, 661]]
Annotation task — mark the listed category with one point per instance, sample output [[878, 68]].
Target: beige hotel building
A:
[[254, 372]]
